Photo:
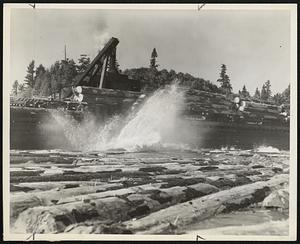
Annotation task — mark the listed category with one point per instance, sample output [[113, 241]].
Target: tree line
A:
[[44, 82], [41, 81], [260, 95]]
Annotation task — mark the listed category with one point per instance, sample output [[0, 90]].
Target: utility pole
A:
[[65, 52]]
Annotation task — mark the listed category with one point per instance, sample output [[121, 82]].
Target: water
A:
[[157, 131], [157, 124], [154, 122], [151, 126]]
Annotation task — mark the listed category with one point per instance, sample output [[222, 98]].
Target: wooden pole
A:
[[103, 72], [65, 52]]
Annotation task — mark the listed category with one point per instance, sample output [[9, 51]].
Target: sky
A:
[[253, 44]]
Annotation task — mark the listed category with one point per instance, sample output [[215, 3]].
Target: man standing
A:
[[77, 94]]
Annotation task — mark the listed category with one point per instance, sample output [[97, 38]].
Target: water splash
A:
[[150, 126], [267, 149], [88, 134], [154, 122]]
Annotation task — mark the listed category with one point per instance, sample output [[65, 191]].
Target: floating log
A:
[[204, 207], [118, 205], [80, 176], [55, 219], [46, 186], [22, 201], [41, 159], [277, 199]]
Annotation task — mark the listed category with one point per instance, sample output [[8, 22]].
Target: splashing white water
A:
[[267, 149], [154, 121], [88, 134], [151, 125]]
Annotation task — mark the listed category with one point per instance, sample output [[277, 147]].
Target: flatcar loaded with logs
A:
[[101, 90]]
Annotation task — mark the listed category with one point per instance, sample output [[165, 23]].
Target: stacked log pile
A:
[[201, 101], [197, 102], [108, 99], [118, 192], [217, 105], [206, 105]]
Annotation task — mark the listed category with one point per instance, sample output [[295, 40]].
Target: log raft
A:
[[149, 200]]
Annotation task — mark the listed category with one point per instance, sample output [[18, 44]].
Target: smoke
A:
[[100, 39]]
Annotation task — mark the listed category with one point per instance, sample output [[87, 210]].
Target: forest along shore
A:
[[150, 192]]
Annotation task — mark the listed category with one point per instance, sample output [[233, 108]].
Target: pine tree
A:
[[21, 88], [39, 78], [245, 93], [286, 95], [83, 62], [55, 78], [263, 93], [15, 87], [266, 91], [45, 88], [224, 80], [153, 63], [29, 78], [278, 99], [256, 94], [68, 72]]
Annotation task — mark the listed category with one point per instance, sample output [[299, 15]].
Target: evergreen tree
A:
[[55, 78], [45, 88], [68, 72], [286, 95], [263, 93], [282, 98], [245, 93], [62, 74], [15, 87], [266, 91], [278, 99], [40, 70], [29, 78], [224, 81], [153, 63], [21, 88], [83, 62], [39, 78], [256, 94]]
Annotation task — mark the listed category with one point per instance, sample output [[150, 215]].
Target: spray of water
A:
[[88, 134], [154, 122], [151, 125]]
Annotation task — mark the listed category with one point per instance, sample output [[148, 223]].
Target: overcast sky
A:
[[254, 44]]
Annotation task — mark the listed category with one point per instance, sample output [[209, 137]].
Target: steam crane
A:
[[103, 73]]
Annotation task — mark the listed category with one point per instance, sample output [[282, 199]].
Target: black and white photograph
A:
[[150, 122]]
